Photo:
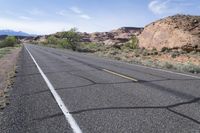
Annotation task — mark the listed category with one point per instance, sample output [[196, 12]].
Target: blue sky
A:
[[49, 16]]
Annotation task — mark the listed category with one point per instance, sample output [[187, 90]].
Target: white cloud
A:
[[169, 6], [85, 16], [9, 12], [36, 12], [158, 6], [76, 10], [25, 18], [62, 13]]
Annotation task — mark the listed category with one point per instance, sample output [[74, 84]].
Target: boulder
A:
[[179, 31]]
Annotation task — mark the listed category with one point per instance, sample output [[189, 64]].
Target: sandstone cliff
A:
[[179, 31]]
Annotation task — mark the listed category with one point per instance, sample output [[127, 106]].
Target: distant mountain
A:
[[14, 33]]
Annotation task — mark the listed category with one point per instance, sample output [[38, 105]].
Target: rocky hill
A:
[[114, 37], [179, 31]]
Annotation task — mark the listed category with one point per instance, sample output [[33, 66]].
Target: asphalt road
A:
[[102, 96]]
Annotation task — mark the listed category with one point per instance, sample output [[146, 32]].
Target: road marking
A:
[[120, 75], [68, 116]]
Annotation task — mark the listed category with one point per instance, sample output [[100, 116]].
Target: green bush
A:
[[132, 44], [69, 40], [9, 41], [64, 43], [52, 40]]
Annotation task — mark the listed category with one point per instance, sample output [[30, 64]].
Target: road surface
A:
[[59, 91]]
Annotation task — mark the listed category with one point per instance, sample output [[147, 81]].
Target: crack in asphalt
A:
[[77, 75], [185, 116], [166, 89], [168, 107]]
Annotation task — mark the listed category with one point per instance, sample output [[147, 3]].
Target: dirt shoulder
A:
[[7, 71]]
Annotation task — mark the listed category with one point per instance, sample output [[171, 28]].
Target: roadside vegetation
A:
[[67, 40], [176, 59], [9, 41], [7, 44]]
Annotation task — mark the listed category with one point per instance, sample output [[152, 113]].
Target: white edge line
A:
[[68, 116]]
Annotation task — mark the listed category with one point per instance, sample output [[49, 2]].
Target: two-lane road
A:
[[59, 91]]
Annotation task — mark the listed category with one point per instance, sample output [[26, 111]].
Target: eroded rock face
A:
[[114, 37], [179, 31]]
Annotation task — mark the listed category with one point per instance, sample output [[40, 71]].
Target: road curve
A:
[[99, 96]]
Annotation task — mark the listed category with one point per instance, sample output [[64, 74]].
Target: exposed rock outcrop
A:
[[114, 37], [179, 31]]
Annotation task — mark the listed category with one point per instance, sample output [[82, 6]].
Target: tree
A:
[[71, 38]]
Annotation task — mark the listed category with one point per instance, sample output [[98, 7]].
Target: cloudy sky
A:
[[49, 16]]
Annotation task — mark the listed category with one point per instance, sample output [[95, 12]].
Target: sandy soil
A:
[[7, 70]]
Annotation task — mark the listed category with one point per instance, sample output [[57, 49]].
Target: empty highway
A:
[[57, 91]]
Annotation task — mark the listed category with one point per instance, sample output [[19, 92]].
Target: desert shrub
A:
[[148, 63], [189, 67], [182, 51], [113, 51], [117, 58], [4, 51], [174, 54], [193, 53], [132, 44], [45, 42], [168, 65], [88, 47], [2, 44], [52, 40], [154, 51], [9, 41], [165, 49], [85, 50], [184, 67], [70, 38], [64, 43], [144, 53]]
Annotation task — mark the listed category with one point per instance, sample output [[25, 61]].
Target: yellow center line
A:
[[120, 75]]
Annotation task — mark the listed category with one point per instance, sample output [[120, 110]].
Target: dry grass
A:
[[7, 72]]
